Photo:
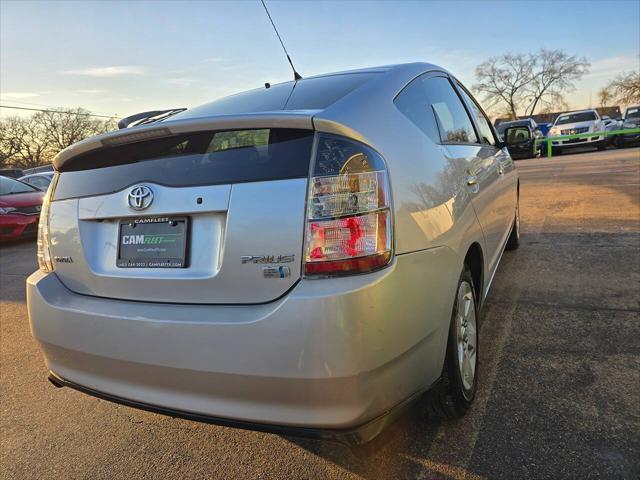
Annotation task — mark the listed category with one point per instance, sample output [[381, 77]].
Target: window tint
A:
[[453, 121], [258, 100], [428, 99], [481, 121], [201, 158], [413, 103], [319, 93]]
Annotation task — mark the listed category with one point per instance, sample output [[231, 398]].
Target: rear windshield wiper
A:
[[148, 117]]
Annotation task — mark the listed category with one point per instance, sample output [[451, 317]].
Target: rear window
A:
[[319, 93], [503, 126], [308, 94], [201, 158]]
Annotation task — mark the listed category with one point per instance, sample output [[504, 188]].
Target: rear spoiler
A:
[[302, 119]]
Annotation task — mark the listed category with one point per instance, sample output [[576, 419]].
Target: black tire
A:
[[602, 146], [514, 237], [449, 398], [556, 151]]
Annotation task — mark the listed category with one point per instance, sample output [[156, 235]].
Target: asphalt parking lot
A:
[[560, 372]]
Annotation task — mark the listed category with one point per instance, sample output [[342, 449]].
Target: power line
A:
[[59, 111], [6, 99]]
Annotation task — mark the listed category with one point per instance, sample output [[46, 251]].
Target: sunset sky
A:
[[121, 57]]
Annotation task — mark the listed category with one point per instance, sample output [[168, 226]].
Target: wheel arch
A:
[[474, 259]]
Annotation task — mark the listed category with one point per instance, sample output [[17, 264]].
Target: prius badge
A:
[[140, 197]]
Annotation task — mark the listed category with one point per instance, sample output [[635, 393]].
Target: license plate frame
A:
[[154, 244]]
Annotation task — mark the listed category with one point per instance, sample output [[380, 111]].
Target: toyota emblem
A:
[[140, 197]]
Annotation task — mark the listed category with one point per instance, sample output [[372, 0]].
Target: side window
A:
[[453, 120], [432, 105], [413, 103], [481, 121], [39, 182]]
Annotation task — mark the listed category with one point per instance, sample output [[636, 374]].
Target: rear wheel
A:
[[454, 394]]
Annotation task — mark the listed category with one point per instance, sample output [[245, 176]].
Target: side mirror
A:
[[514, 136]]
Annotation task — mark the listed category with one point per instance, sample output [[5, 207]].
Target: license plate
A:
[[153, 242]]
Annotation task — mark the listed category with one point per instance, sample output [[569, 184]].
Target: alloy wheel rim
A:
[[466, 337]]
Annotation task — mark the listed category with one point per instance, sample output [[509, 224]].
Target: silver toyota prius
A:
[[305, 258]]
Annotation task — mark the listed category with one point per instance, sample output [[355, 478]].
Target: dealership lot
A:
[[560, 372]]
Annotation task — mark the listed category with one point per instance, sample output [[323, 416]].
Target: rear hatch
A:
[[184, 213]]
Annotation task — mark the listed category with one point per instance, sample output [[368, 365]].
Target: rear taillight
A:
[[349, 225], [44, 254]]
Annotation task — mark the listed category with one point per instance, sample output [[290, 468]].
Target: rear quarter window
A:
[[432, 104]]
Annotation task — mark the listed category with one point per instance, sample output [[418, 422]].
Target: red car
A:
[[19, 209]]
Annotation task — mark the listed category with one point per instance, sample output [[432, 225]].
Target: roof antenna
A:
[[296, 75]]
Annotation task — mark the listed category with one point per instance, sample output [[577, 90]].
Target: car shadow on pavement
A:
[[396, 453]]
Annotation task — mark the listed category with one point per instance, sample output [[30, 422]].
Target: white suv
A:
[[574, 123]]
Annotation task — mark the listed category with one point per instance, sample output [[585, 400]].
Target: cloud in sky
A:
[[606, 67], [181, 81], [20, 95], [112, 71], [91, 91]]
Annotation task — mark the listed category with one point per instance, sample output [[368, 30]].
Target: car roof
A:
[[310, 94]]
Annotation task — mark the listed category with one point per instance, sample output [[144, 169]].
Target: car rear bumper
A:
[[334, 355], [15, 226]]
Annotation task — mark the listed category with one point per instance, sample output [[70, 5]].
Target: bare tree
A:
[[9, 140], [523, 83], [604, 97], [624, 89], [65, 129], [555, 73], [503, 80], [27, 142]]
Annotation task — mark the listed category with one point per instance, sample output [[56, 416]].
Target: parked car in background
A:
[[39, 180], [610, 125], [41, 169], [20, 206], [526, 146], [630, 120], [544, 128], [305, 258], [573, 123], [11, 172]]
